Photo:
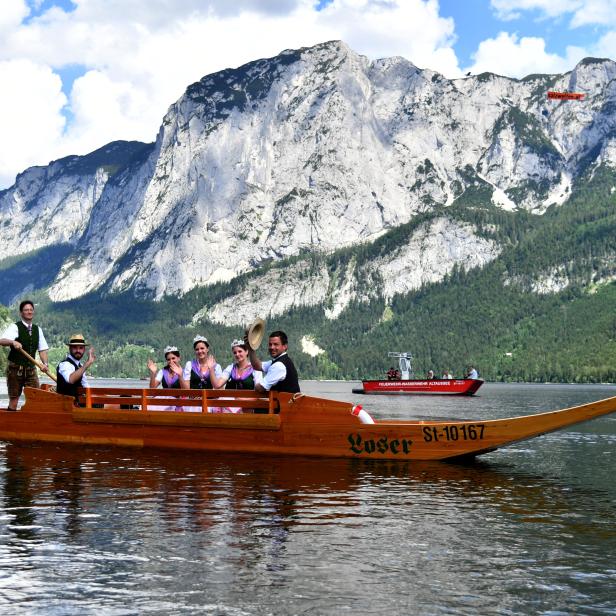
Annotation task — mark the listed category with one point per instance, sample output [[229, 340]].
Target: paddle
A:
[[40, 365]]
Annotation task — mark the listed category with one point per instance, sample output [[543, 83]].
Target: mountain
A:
[[355, 203], [313, 150], [540, 311], [44, 216]]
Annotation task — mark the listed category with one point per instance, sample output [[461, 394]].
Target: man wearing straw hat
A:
[[71, 372], [279, 373], [23, 336]]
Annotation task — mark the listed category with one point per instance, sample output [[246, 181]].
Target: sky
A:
[[77, 74]]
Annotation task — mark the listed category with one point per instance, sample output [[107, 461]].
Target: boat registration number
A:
[[464, 432]]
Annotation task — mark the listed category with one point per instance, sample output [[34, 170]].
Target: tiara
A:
[[237, 342], [170, 349], [200, 339]]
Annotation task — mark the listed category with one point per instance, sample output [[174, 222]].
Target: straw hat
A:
[[255, 333], [77, 339]]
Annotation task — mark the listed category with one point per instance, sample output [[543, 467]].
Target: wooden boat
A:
[[451, 387], [405, 384], [283, 424]]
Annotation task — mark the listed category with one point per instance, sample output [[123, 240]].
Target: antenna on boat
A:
[[404, 361]]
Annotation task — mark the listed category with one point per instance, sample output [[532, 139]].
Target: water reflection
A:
[[256, 531], [19, 502], [253, 495]]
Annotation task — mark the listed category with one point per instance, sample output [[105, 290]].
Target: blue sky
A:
[[77, 74], [475, 21], [38, 8]]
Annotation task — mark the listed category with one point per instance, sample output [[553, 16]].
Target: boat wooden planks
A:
[[286, 424]]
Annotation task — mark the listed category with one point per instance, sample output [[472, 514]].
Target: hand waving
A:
[[175, 368]]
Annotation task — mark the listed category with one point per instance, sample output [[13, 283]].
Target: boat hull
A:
[[291, 425], [441, 387]]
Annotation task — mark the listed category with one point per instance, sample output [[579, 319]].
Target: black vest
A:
[[290, 383], [29, 342], [175, 385], [199, 382], [63, 386], [247, 383]]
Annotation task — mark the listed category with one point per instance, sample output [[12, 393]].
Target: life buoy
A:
[[363, 416]]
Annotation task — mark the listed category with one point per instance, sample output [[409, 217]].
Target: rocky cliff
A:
[[313, 150]]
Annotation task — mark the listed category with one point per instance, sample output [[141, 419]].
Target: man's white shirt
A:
[[274, 371], [11, 333], [65, 368]]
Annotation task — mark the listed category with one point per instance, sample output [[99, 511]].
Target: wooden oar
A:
[[40, 365]]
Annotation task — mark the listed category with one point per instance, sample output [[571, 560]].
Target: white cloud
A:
[[605, 46], [582, 12], [140, 55], [507, 54], [12, 14], [157, 14], [511, 9], [31, 123], [595, 12], [111, 109], [520, 56], [412, 29]]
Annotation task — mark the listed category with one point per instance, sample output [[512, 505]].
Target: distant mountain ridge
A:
[[314, 150]]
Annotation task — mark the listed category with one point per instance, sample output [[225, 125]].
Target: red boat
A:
[[453, 387], [406, 385]]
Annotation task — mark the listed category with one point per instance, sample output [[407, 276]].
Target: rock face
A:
[[54, 204], [313, 150], [431, 252]]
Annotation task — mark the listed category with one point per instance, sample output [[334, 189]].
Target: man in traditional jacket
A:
[[279, 374], [71, 372], [20, 371]]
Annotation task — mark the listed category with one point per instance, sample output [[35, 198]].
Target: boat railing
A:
[[202, 400]]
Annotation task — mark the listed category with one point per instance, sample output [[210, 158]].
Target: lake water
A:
[[530, 529]]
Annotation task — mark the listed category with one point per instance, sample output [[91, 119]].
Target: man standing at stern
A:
[[23, 335], [279, 373], [71, 372]]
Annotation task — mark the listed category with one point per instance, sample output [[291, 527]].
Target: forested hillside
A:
[[542, 311], [5, 319]]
